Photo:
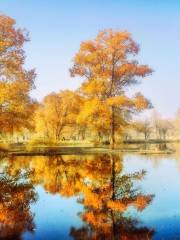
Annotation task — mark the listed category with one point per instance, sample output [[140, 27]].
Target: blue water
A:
[[64, 191], [162, 179]]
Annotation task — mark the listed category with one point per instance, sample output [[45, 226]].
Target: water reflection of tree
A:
[[16, 195], [105, 191], [106, 197]]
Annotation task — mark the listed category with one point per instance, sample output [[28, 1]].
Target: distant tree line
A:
[[157, 128]]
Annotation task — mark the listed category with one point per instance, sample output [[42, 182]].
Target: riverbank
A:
[[46, 151], [22, 149]]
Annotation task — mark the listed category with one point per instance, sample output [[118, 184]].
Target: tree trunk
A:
[[12, 133], [113, 177], [113, 197], [112, 128]]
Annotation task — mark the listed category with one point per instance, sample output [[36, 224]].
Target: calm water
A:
[[126, 197]]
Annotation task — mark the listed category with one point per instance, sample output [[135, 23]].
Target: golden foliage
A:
[[120, 101], [15, 81], [141, 202], [107, 64], [141, 102], [57, 111], [117, 206]]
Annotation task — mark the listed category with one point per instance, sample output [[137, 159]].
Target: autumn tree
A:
[[144, 127], [57, 112], [15, 81], [92, 114], [108, 67], [176, 124], [163, 126]]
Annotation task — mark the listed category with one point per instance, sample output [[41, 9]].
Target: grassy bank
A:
[[81, 150], [21, 149]]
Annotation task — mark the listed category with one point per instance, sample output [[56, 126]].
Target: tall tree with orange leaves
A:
[[15, 81], [108, 67]]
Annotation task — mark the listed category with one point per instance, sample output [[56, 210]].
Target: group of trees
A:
[[156, 128], [100, 106], [99, 109]]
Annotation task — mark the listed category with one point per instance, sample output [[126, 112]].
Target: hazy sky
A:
[[57, 27]]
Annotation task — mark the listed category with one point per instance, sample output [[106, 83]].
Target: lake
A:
[[102, 196]]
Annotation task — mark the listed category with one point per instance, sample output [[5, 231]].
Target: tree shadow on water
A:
[[106, 199], [16, 195]]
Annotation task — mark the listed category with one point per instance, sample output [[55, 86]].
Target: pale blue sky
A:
[[57, 27]]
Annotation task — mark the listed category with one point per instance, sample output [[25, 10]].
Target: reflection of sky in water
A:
[[163, 180], [54, 216]]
